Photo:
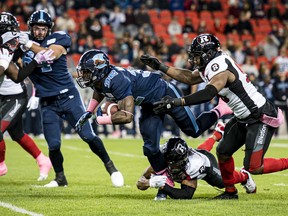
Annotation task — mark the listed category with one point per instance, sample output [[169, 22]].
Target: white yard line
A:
[[19, 210]]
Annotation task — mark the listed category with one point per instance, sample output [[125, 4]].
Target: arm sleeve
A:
[[185, 192], [26, 71], [201, 96]]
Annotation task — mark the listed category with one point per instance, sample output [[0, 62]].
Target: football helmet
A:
[[205, 47], [42, 18], [9, 28], [175, 153], [93, 66]]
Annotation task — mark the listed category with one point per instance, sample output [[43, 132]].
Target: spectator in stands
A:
[[104, 47], [91, 16], [88, 45], [83, 32], [230, 26], [103, 15], [234, 8], [239, 55], [270, 46], [273, 11], [231, 46], [65, 23], [280, 94], [48, 6], [250, 67], [59, 6], [281, 61], [174, 47], [244, 26], [142, 16], [95, 30], [257, 8], [218, 26], [265, 87], [214, 5], [117, 19], [188, 27], [130, 22], [247, 10], [16, 9], [174, 27], [202, 28]]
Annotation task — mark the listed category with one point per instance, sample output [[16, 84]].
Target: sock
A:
[[275, 164], [227, 172], [97, 147], [207, 144], [240, 177], [218, 135], [29, 145], [222, 109], [57, 160], [2, 150]]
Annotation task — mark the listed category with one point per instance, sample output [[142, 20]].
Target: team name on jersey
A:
[[111, 75], [51, 41]]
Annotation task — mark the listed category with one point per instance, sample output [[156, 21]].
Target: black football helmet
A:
[[175, 153], [93, 66], [40, 17], [9, 28], [205, 46]]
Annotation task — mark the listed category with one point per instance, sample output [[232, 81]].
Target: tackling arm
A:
[[126, 109], [187, 190]]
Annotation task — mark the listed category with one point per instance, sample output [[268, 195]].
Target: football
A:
[[109, 108]]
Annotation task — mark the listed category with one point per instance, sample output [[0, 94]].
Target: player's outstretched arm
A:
[[187, 190]]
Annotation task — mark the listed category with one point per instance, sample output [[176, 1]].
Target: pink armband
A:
[[92, 105], [104, 120]]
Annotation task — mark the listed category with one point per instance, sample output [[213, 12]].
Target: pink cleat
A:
[[3, 169], [45, 165], [222, 109]]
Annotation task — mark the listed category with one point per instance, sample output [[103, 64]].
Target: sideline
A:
[[19, 210]]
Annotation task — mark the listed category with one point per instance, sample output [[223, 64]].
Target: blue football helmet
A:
[[175, 153], [41, 18], [205, 46], [93, 66]]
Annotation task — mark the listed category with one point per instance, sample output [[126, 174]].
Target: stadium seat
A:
[[164, 14], [76, 58]]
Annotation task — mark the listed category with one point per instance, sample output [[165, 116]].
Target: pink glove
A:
[[44, 56]]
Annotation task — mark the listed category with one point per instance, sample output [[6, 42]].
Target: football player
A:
[[255, 120], [185, 166], [59, 97], [130, 87], [13, 97]]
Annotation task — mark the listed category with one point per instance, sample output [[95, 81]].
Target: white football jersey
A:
[[196, 166], [9, 87], [241, 95]]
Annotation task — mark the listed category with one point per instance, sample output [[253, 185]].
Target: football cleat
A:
[[59, 181], [250, 185], [160, 195], [219, 130], [3, 169], [117, 179], [227, 195], [45, 166]]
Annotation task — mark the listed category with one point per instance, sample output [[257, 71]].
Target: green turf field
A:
[[90, 191]]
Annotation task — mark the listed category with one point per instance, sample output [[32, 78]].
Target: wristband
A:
[[164, 68], [92, 105], [4, 64], [104, 120]]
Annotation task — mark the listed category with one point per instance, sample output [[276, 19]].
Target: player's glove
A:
[[157, 181], [165, 104], [5, 58], [82, 120], [44, 56], [154, 63], [24, 40], [33, 103]]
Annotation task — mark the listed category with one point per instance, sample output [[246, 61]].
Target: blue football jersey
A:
[[51, 79], [144, 86]]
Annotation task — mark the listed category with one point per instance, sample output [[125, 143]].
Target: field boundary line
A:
[[18, 209]]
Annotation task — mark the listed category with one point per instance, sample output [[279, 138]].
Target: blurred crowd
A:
[[253, 32]]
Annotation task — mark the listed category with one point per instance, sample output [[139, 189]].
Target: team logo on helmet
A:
[[99, 61], [180, 149], [203, 39]]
